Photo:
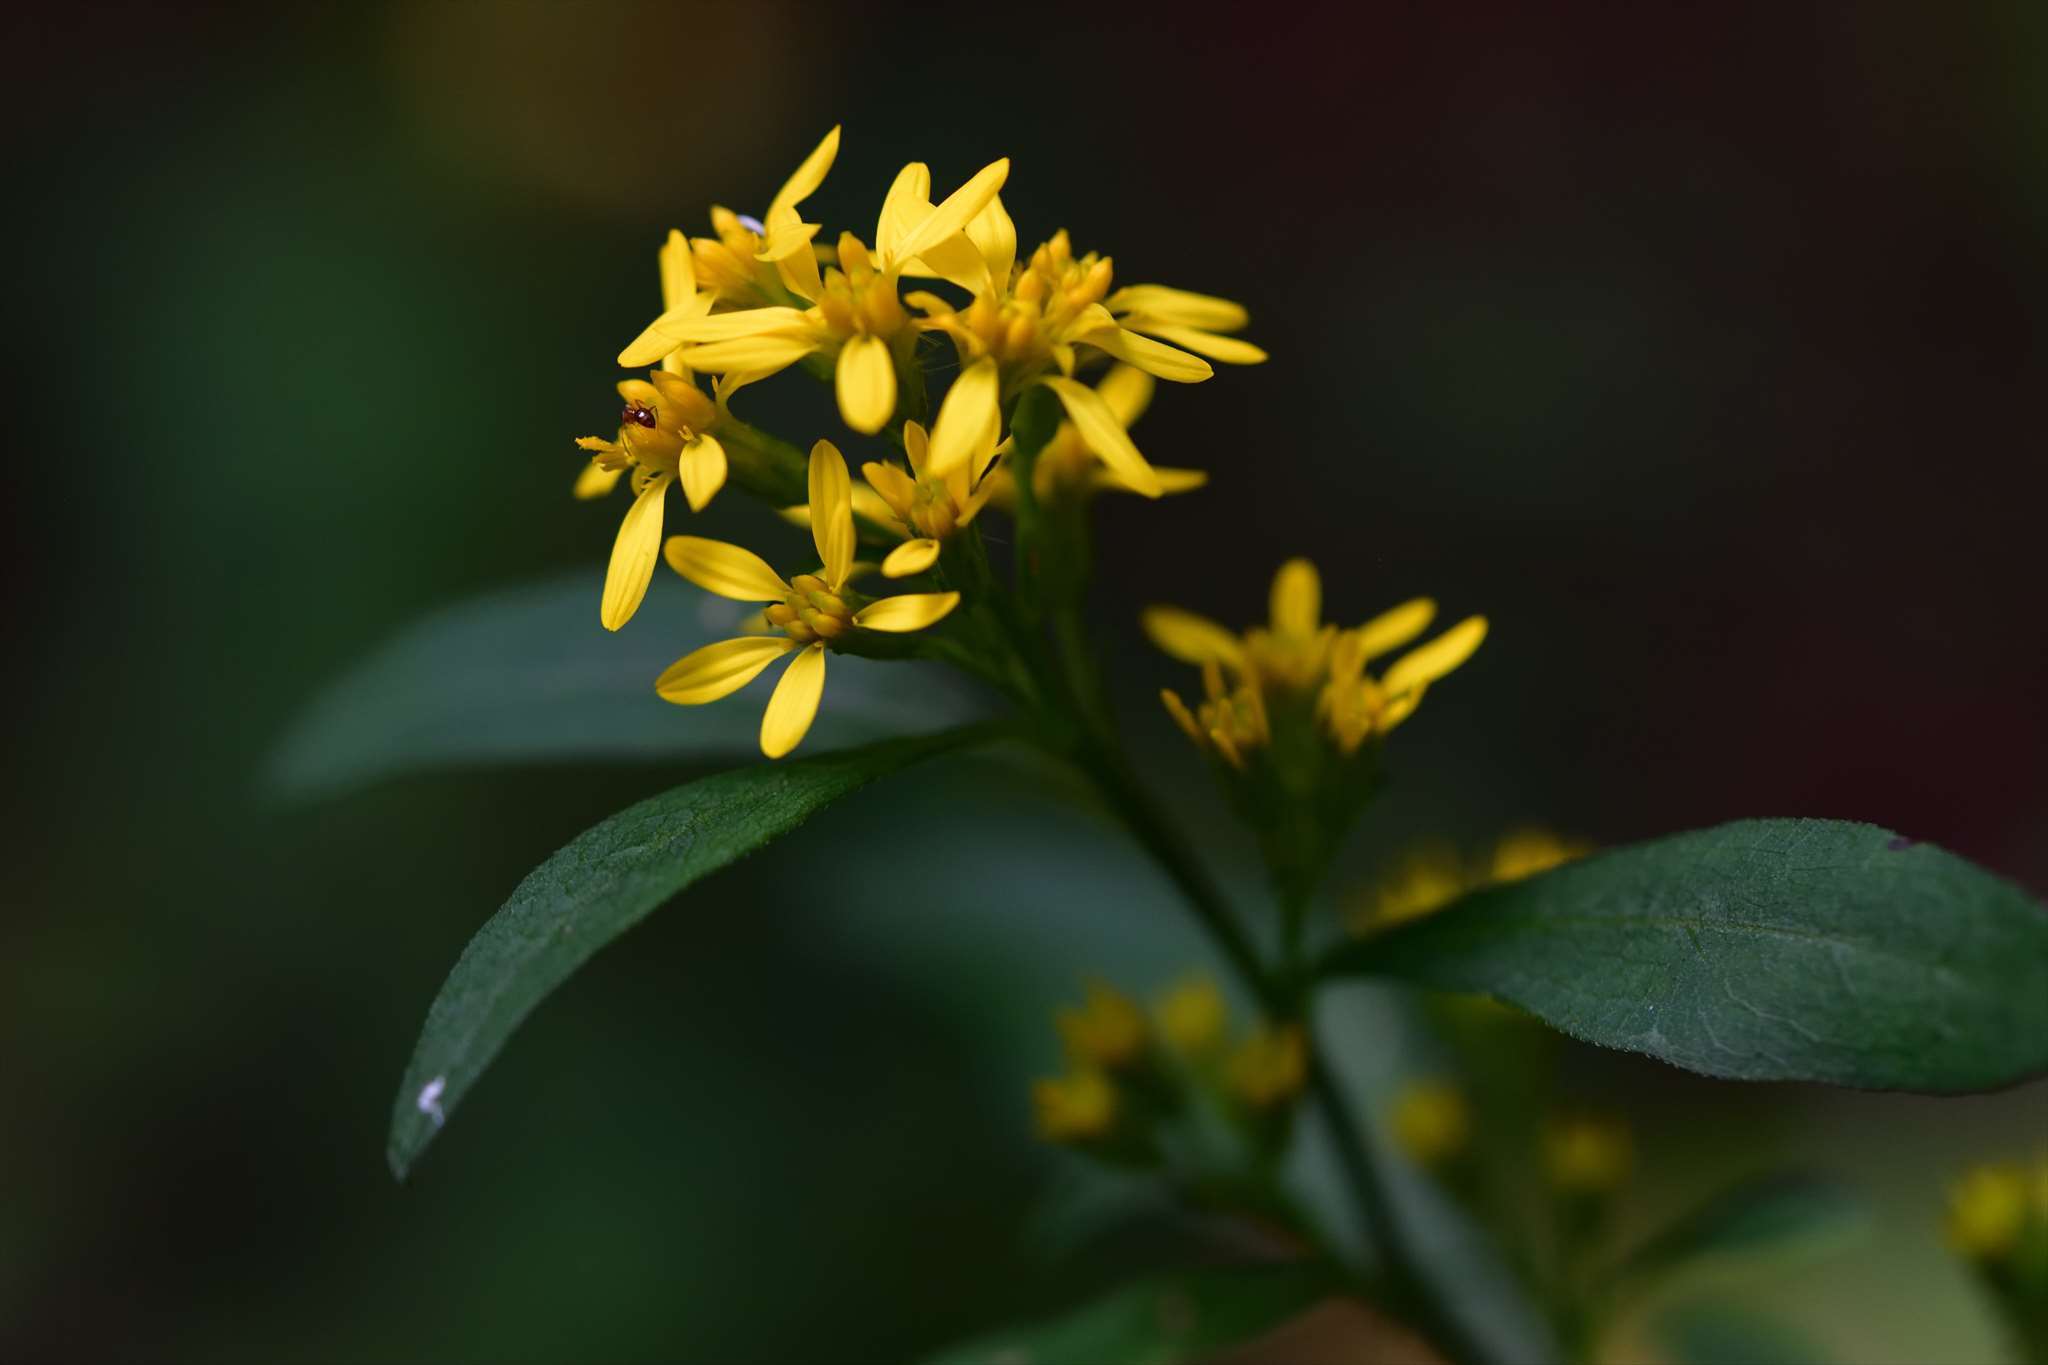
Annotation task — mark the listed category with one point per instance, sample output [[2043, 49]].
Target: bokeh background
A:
[[1703, 352]]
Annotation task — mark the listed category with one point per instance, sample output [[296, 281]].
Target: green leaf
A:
[[1155, 1321], [601, 884], [1726, 1334], [528, 675], [1811, 950], [1766, 1219]]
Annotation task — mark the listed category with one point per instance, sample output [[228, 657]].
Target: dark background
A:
[[1703, 352]]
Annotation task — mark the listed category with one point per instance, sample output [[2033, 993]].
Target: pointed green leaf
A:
[[1812, 950], [527, 675], [1155, 1321], [601, 884]]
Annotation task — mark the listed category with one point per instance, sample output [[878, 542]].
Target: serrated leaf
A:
[[1811, 950], [1159, 1320], [601, 884], [1765, 1219], [527, 675]]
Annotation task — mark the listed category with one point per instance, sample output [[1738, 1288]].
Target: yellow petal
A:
[[760, 356], [953, 259], [1297, 599], [811, 174], [744, 322], [866, 383], [955, 211], [795, 703], [724, 569], [909, 198], [1128, 392], [702, 466], [654, 341], [1425, 664], [1153, 357], [1229, 350], [1104, 434], [680, 403], [788, 245], [595, 481], [1394, 628], [720, 670], [1179, 307], [831, 512], [995, 236], [632, 566], [969, 419], [911, 611], [891, 484], [915, 445], [1190, 638], [1182, 717], [911, 557]]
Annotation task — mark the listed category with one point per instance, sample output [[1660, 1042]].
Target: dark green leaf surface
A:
[[1766, 1220], [601, 884], [527, 675], [1155, 1321], [1811, 950]]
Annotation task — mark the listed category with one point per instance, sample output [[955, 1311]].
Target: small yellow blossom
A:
[[1070, 468], [811, 610], [1432, 1122], [1106, 1031], [664, 436], [1987, 1211], [1297, 654], [1526, 852], [852, 312], [1078, 1107], [1028, 318], [1268, 1068], [1193, 1016], [1587, 1154], [929, 506]]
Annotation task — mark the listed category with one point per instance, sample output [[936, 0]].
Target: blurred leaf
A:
[[528, 675], [1761, 950], [1766, 1218], [1724, 1334], [1155, 1321], [601, 884]]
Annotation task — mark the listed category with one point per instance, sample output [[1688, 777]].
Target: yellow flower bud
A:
[[1192, 1016], [1432, 1123], [1269, 1067], [1586, 1154], [1108, 1030], [1987, 1211], [1077, 1107]]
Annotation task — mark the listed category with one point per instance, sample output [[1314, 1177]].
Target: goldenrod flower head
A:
[[811, 610], [664, 436], [1268, 1068], [1432, 1122], [1193, 1016], [928, 506], [1526, 852], [1078, 1107], [1106, 1031], [1988, 1210], [852, 312], [1588, 1154], [1297, 654]]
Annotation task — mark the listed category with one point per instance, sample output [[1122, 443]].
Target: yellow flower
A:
[[1078, 1107], [1526, 852], [1298, 655], [1423, 882], [811, 610], [928, 506], [1069, 467], [1987, 1211], [1268, 1068], [1026, 321], [1432, 1122], [1107, 1031], [664, 436], [854, 312], [1586, 1154], [1193, 1016]]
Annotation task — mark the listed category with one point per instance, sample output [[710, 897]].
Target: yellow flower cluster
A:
[[1297, 659]]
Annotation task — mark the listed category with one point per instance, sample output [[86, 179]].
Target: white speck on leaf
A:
[[429, 1102]]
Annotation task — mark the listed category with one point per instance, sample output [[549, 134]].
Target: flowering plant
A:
[[1790, 949]]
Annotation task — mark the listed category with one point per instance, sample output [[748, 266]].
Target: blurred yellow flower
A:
[[1528, 851], [1192, 1016], [1268, 1068], [811, 610], [1078, 1107], [664, 436], [1988, 1209], [1107, 1031], [1424, 881], [1587, 1154], [1432, 1122]]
